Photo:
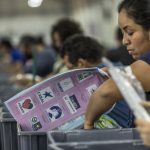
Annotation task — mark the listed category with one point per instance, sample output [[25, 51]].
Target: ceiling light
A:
[[34, 3]]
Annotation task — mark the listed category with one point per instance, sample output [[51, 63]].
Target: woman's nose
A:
[[125, 40]]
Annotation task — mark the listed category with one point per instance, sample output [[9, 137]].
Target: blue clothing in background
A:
[[42, 63], [16, 55]]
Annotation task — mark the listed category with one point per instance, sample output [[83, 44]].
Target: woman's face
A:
[[135, 38], [57, 43]]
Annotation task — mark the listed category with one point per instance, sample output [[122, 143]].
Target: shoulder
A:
[[141, 69], [140, 65]]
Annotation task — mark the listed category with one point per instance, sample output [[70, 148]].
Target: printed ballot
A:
[[56, 103]]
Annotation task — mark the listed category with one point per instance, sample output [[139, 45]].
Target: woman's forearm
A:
[[101, 101]]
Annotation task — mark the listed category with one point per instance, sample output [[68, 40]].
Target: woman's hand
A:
[[143, 127], [88, 125]]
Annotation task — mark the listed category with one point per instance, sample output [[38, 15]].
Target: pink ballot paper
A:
[[56, 102]]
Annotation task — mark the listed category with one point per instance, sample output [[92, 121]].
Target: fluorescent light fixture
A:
[[34, 3]]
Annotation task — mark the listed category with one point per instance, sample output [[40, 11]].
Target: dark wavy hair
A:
[[66, 28], [138, 10], [80, 46]]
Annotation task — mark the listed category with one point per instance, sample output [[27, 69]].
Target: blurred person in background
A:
[[26, 45], [10, 56], [80, 51], [43, 58], [38, 60], [60, 31]]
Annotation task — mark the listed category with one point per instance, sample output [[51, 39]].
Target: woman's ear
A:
[[82, 63], [67, 62]]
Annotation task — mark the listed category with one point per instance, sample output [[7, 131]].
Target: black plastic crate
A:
[[32, 140], [93, 139], [8, 134], [7, 91], [92, 135], [100, 145]]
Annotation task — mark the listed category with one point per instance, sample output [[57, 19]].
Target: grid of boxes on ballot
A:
[[58, 102]]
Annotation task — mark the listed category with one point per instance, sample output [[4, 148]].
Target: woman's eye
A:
[[130, 33]]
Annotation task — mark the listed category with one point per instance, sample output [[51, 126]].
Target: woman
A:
[[134, 21]]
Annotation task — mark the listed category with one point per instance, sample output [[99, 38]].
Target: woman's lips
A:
[[130, 52]]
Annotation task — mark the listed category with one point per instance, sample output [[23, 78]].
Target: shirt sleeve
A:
[[146, 58]]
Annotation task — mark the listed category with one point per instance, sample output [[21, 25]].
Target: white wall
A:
[[98, 17], [35, 25], [17, 18]]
